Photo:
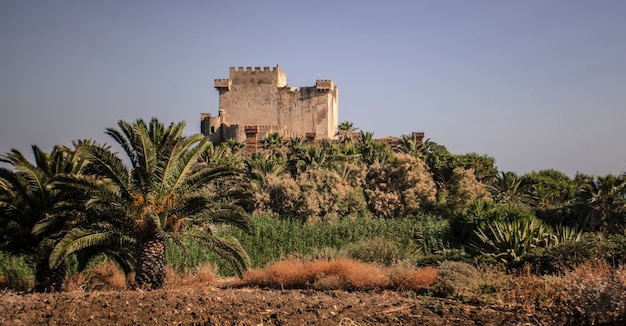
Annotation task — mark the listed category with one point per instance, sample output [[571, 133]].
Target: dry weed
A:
[[358, 275], [202, 277], [102, 277], [413, 279], [591, 294], [320, 274]]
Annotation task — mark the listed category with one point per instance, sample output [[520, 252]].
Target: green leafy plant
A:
[[511, 240]]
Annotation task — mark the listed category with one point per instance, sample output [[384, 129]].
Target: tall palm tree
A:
[[162, 195], [27, 197], [346, 132]]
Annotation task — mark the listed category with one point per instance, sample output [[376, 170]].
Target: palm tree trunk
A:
[[150, 269], [49, 280]]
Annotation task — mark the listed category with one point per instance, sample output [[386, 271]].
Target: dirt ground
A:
[[231, 306]]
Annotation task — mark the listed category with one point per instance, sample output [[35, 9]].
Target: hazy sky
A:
[[534, 84]]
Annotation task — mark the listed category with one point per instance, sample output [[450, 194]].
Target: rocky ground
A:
[[230, 306]]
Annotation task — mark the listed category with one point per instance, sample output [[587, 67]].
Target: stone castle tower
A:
[[254, 103]]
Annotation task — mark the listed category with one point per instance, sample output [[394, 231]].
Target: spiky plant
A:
[[511, 240], [162, 194]]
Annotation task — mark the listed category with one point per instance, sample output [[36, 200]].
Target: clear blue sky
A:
[[535, 84]]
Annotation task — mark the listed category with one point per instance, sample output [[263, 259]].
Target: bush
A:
[[457, 279], [315, 194], [592, 294], [272, 238], [510, 241], [568, 256], [198, 278], [376, 250], [15, 273], [463, 190], [402, 188]]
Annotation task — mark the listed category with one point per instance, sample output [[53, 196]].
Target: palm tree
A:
[[604, 203], [346, 132], [27, 197], [259, 166], [409, 144], [273, 144], [162, 195], [507, 188], [372, 150]]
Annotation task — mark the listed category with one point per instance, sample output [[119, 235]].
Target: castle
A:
[[254, 103]]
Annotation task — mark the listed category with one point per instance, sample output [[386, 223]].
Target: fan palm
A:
[[163, 194], [346, 132]]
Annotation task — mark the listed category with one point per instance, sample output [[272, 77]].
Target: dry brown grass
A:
[[342, 273], [413, 279], [357, 274], [108, 277], [593, 293], [101, 277], [202, 277]]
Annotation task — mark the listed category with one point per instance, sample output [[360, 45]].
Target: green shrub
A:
[[457, 279], [567, 256], [16, 273], [375, 250]]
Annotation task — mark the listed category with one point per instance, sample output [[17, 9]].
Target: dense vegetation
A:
[[176, 200]]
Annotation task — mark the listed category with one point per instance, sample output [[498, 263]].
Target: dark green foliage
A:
[[28, 198], [567, 256], [462, 226], [602, 204], [548, 188]]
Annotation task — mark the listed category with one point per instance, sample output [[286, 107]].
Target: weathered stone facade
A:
[[256, 102]]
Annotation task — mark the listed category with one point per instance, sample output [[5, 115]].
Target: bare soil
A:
[[231, 306]]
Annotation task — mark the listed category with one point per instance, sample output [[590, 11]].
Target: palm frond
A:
[[78, 239], [228, 249]]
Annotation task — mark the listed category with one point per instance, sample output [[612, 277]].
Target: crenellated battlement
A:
[[256, 69], [324, 84], [223, 84], [257, 75]]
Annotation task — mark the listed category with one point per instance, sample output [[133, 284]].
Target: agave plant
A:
[[511, 240]]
